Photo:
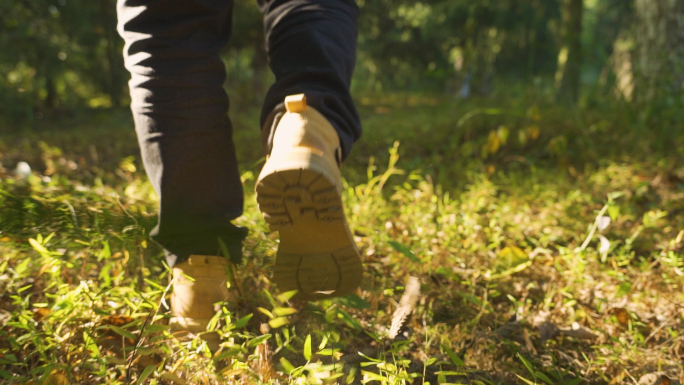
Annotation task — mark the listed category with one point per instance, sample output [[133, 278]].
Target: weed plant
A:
[[549, 244]]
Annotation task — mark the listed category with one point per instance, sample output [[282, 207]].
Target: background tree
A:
[[64, 55], [570, 55], [659, 61], [59, 54]]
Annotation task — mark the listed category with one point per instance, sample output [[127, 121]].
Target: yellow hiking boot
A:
[[192, 300], [299, 194]]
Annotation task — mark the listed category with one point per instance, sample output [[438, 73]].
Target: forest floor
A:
[[548, 243]]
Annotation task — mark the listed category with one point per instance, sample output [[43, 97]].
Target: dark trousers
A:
[[180, 107]]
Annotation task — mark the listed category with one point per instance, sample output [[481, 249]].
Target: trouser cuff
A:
[[178, 248]]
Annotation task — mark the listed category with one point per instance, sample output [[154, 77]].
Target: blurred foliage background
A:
[[63, 56]]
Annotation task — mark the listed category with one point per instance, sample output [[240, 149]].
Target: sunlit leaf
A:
[[145, 373], [526, 380], [492, 145], [544, 378], [242, 322], [527, 364], [370, 376], [266, 312], [122, 332], [284, 311], [230, 352], [623, 289], [452, 355], [614, 212], [277, 322], [38, 247], [327, 351], [256, 341], [307, 348], [289, 368], [286, 296], [90, 345], [404, 250], [451, 373]]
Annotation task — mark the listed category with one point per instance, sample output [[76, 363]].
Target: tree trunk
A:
[[659, 61], [50, 101], [570, 55], [115, 83]]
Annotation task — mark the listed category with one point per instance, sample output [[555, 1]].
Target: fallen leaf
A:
[[57, 378], [40, 313], [622, 316], [117, 320]]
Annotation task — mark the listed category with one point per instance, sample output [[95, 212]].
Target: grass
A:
[[549, 244]]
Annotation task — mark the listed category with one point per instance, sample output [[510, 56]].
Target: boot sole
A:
[[317, 255]]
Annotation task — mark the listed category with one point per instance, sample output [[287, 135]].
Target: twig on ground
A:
[[406, 305]]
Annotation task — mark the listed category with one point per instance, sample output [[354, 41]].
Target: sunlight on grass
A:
[[541, 260]]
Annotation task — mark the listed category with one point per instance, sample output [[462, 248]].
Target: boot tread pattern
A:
[[306, 207], [289, 200]]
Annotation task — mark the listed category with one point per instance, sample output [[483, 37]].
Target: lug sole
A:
[[317, 255]]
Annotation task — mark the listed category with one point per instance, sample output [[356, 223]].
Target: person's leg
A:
[[311, 46], [179, 107], [312, 50]]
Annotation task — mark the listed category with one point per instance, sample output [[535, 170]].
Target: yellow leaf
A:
[[277, 322], [40, 313], [57, 378], [502, 133], [493, 144], [127, 165], [283, 311], [38, 247], [622, 316], [266, 312], [534, 132], [513, 254]]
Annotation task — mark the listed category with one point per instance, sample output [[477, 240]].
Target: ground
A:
[[548, 243]]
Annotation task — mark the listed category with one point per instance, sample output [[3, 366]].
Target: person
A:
[[308, 122]]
